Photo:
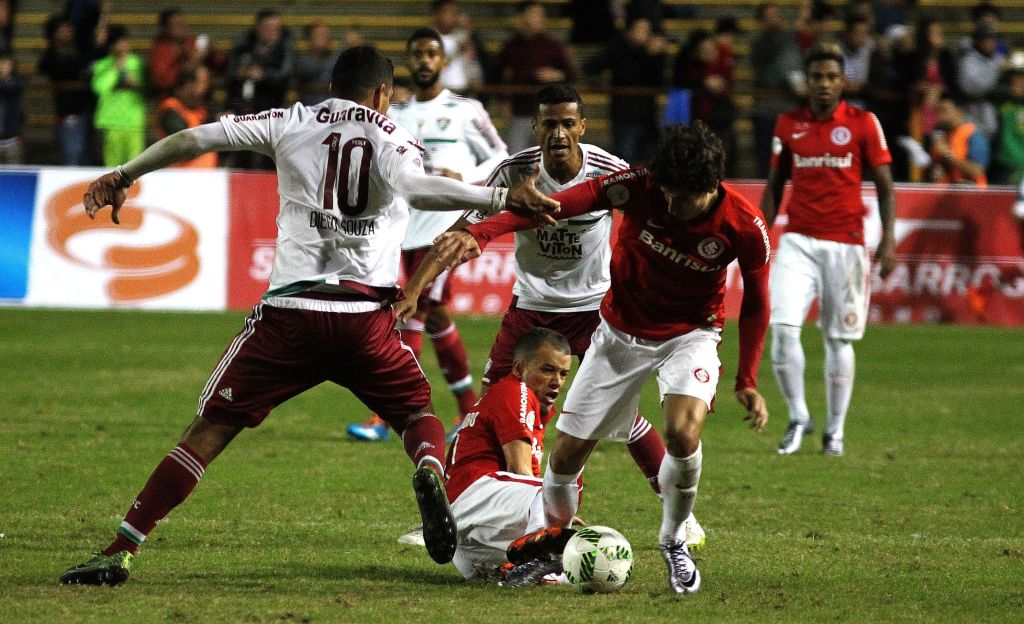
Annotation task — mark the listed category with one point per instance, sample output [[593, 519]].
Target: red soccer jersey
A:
[[826, 161], [509, 411], [668, 277]]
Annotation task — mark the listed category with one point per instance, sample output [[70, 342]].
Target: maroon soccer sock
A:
[[424, 442], [412, 336], [454, 361], [466, 399], [170, 484], [647, 450]]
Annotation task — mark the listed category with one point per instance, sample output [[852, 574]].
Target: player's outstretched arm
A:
[[108, 189], [439, 193]]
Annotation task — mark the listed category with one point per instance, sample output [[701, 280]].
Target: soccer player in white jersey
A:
[[562, 271], [460, 143], [347, 174]]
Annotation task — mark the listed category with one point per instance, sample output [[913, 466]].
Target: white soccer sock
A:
[[561, 497], [678, 479], [839, 370], [788, 364]]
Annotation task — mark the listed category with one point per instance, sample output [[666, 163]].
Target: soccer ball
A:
[[597, 559]]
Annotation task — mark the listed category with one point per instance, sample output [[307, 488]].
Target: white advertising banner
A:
[[167, 253]]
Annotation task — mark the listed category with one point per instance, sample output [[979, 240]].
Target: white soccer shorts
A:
[[494, 510], [603, 399], [836, 273]]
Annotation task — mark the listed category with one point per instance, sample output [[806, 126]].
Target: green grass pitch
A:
[[922, 521]]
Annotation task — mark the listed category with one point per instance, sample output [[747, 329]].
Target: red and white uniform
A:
[[492, 506], [822, 254], [561, 270], [667, 298]]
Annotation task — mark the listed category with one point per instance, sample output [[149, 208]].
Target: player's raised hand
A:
[[455, 247], [524, 199], [107, 190], [885, 256], [757, 409]]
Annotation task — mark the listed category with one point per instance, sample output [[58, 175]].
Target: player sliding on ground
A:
[[494, 462], [347, 175], [561, 270], [664, 313]]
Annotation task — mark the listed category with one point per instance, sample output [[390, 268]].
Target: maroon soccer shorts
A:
[[437, 291], [281, 352], [577, 327]]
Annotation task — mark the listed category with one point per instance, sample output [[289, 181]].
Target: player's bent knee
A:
[[208, 438]]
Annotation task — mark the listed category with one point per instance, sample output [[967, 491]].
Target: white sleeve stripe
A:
[[881, 135]]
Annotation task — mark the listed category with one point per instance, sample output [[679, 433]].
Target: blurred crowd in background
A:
[[934, 93]]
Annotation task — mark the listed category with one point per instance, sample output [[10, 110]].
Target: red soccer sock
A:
[[170, 484], [647, 450], [424, 442], [412, 336]]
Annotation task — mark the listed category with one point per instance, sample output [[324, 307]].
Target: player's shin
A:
[[423, 438], [647, 450], [453, 359], [170, 484], [788, 364], [839, 373], [678, 478], [561, 497]]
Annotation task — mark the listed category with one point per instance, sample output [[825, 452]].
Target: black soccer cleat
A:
[[100, 570], [439, 533], [532, 572]]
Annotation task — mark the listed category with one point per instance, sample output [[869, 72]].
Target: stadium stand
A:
[[386, 24]]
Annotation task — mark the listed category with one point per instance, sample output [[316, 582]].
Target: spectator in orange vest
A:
[[187, 108], [959, 150]]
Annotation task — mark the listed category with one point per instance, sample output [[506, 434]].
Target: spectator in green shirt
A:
[[1010, 155], [117, 80]]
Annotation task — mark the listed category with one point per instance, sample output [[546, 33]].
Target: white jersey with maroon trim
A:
[[563, 267], [458, 134], [341, 220]]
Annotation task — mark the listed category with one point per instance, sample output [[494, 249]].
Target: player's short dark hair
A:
[[825, 52], [763, 8], [559, 94], [358, 71], [437, 5], [166, 15], [982, 9], [530, 343], [523, 7], [690, 157], [424, 33], [266, 13]]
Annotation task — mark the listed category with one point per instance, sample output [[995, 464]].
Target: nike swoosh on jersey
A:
[[797, 135], [655, 225]]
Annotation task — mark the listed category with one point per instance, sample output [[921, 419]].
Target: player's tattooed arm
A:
[[524, 199]]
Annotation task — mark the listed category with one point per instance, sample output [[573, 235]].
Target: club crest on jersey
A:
[[850, 320], [701, 375], [617, 194], [841, 135], [443, 123], [710, 248]]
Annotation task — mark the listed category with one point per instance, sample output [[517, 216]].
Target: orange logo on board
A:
[[139, 272]]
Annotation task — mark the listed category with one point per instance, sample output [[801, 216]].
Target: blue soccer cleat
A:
[[373, 429]]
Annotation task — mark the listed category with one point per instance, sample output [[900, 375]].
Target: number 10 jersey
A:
[[342, 218]]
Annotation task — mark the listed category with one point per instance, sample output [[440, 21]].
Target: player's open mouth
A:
[[558, 148], [425, 74]]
